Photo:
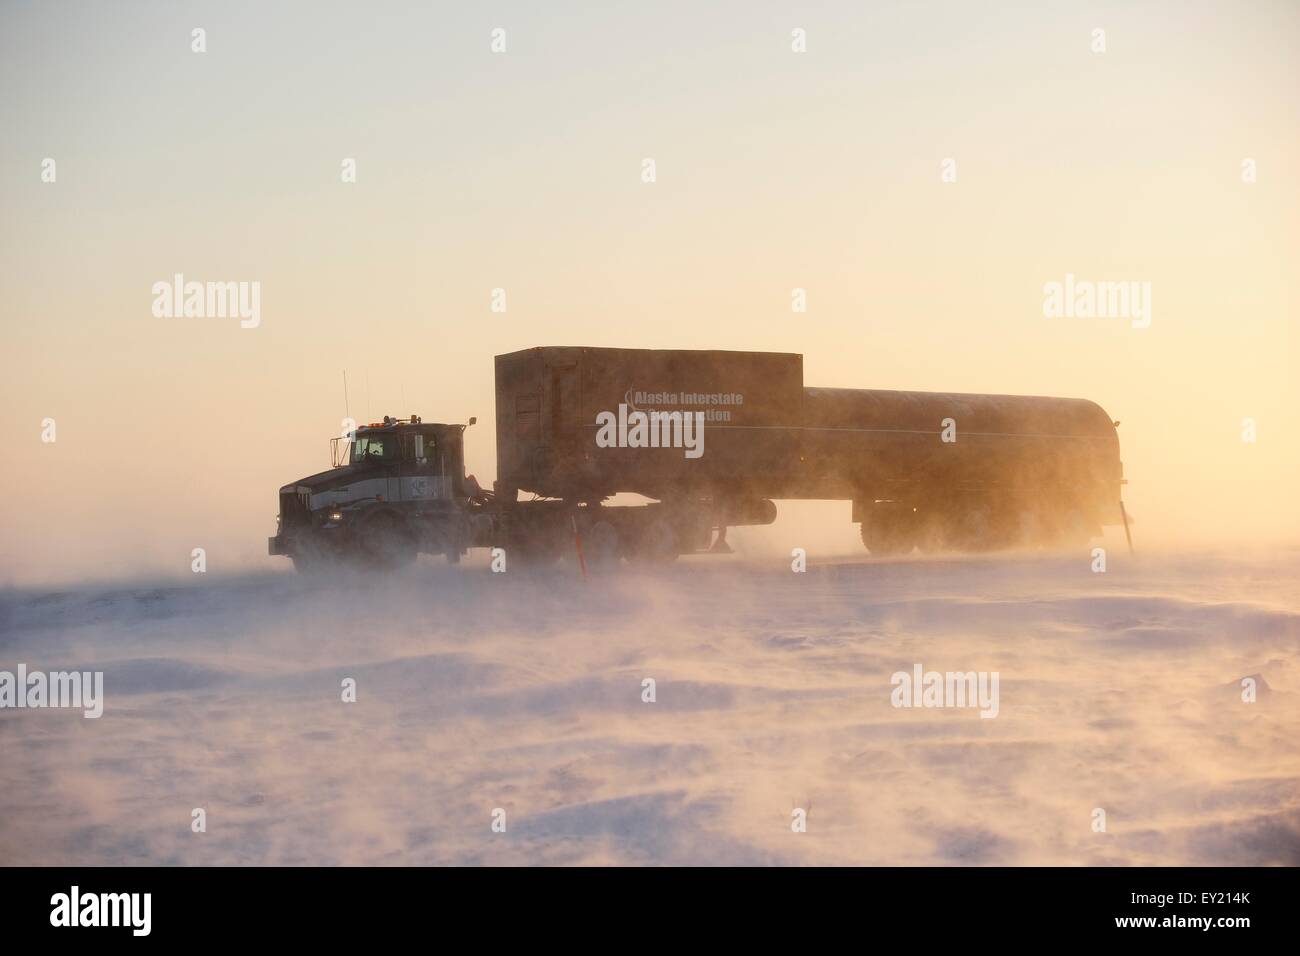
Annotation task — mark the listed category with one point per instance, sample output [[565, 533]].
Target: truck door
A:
[[424, 476], [398, 486]]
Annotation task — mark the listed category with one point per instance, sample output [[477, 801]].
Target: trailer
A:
[[710, 440]]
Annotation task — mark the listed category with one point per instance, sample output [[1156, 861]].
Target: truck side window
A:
[[426, 450]]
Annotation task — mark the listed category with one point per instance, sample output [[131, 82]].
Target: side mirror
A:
[[472, 421]]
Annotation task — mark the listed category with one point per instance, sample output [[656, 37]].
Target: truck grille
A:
[[294, 511]]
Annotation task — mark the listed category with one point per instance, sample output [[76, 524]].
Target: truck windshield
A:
[[372, 448]]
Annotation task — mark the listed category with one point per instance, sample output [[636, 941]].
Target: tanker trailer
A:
[[970, 472]]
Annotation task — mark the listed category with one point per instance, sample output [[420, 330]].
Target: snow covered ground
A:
[[523, 691]]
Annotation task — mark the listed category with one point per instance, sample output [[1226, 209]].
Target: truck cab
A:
[[397, 487]]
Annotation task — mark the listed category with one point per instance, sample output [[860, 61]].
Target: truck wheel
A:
[[539, 546], [531, 556], [308, 563], [384, 543], [308, 558]]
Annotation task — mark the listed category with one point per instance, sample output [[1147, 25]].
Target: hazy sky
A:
[[522, 170]]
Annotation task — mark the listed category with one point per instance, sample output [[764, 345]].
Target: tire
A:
[[931, 533], [1072, 530], [308, 564], [1031, 530], [656, 543], [308, 558], [890, 530], [601, 546], [384, 544], [540, 546], [972, 528]]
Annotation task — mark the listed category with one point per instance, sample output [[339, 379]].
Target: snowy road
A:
[[524, 692]]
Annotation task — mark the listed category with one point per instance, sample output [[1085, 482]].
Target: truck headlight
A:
[[336, 516]]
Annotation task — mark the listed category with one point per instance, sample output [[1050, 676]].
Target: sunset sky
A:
[[522, 170]]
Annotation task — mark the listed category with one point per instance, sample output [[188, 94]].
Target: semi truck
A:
[[704, 441]]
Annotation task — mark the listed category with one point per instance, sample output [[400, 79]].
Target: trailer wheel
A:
[[1072, 529], [601, 545], [890, 529], [972, 528], [931, 533], [656, 543], [1031, 529]]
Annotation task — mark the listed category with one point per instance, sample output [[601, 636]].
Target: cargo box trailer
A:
[[747, 406]]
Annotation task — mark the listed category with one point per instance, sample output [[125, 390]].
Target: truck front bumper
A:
[[322, 539]]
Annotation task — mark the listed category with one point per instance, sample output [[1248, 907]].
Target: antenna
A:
[[346, 412]]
